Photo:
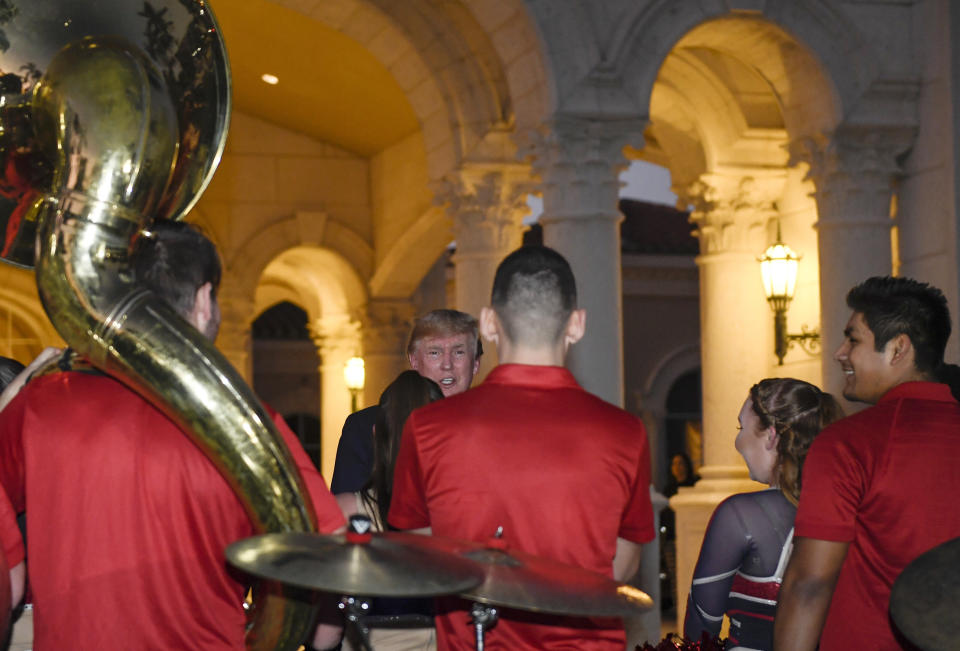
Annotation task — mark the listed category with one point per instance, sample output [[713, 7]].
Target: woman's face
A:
[[756, 445], [679, 468]]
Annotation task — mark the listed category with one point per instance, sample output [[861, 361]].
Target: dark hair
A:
[[444, 323], [798, 411], [894, 306], [409, 391], [174, 260], [9, 369], [534, 292]]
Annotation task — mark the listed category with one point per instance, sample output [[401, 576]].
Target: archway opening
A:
[[285, 372], [683, 420]]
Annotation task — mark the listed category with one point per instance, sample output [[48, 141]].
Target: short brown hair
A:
[[444, 323]]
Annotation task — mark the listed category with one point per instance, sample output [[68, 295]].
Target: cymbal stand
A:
[[484, 617], [355, 609]]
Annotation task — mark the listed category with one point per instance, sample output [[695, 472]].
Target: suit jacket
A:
[[354, 462]]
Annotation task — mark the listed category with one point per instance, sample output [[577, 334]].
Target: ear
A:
[[489, 326], [202, 310], [413, 361], [770, 438], [900, 349], [576, 327]]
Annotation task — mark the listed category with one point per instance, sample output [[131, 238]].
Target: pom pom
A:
[[674, 642]]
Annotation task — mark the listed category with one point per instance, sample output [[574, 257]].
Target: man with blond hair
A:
[[444, 346]]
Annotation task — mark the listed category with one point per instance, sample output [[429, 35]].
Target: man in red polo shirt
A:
[[564, 473], [128, 519], [879, 487]]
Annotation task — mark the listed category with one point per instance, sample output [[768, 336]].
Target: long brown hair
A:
[[797, 410], [409, 391]]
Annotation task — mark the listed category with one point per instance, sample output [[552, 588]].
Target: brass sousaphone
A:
[[114, 113]]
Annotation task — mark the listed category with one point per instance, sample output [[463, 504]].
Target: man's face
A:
[[867, 371], [448, 361]]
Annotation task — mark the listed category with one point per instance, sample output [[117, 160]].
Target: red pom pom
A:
[[674, 642]]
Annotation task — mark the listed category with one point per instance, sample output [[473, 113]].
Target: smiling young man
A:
[[444, 346], [879, 487]]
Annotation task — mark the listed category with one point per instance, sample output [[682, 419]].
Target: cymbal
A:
[[389, 565], [518, 580], [926, 598]]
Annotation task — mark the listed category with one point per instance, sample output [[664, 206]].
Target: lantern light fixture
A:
[[354, 376], [778, 268]]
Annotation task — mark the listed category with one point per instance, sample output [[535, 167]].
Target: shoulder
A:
[[68, 391], [360, 423], [768, 499], [610, 417], [867, 424], [365, 415], [737, 503]]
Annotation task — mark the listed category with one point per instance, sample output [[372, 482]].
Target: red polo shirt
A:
[[563, 472], [886, 481], [128, 520], [10, 533]]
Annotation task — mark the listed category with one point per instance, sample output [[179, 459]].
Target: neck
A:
[[510, 353]]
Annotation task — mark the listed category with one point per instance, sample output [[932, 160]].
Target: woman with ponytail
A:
[[749, 538]]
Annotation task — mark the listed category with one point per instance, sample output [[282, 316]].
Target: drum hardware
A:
[[514, 579], [362, 564], [483, 617], [926, 596], [358, 564]]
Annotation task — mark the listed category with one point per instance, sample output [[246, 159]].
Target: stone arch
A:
[[516, 41], [835, 66], [317, 279], [412, 255], [303, 228], [441, 57], [329, 289], [653, 399]]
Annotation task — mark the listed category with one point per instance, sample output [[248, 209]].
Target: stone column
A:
[[579, 162], [853, 172], [488, 203], [337, 338], [386, 327], [234, 339], [730, 213]]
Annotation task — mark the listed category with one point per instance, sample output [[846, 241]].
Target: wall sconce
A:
[[778, 266], [354, 377]]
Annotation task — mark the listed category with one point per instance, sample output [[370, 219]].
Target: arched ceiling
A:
[[330, 87], [318, 280], [713, 104]]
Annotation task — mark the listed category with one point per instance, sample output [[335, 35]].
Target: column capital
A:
[[487, 203], [579, 161], [579, 141], [386, 324], [336, 337], [853, 170], [731, 212]]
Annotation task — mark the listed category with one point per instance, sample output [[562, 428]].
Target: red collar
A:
[[919, 390], [543, 377]]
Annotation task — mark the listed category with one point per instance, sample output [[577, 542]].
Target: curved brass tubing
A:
[[109, 126]]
